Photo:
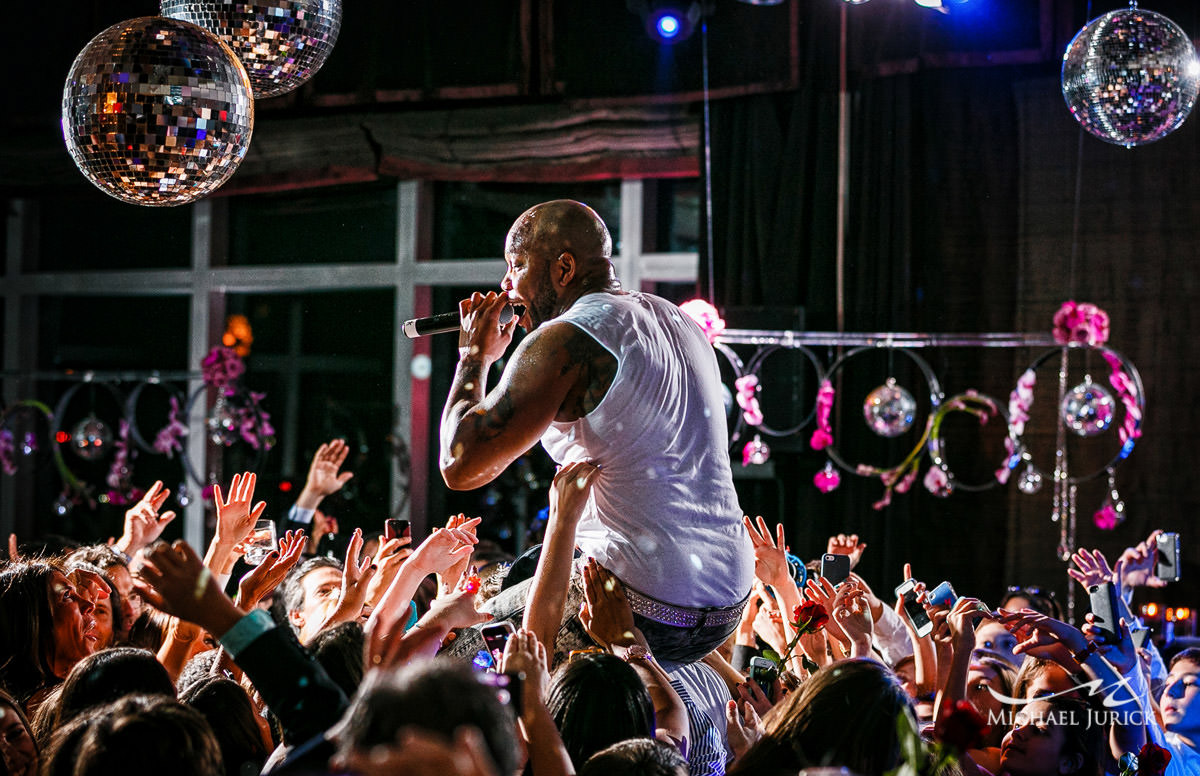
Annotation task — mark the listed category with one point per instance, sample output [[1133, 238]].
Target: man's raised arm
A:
[[482, 434]]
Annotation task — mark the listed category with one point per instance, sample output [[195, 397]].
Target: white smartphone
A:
[[914, 609]]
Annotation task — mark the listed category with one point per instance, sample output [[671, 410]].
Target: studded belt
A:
[[682, 616]]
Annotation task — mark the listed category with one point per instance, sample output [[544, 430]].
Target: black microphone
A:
[[439, 324]]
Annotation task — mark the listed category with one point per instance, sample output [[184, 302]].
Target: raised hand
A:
[[237, 514], [1138, 563], [356, 578], [258, 583], [174, 579], [1039, 632], [821, 591], [605, 612], [853, 614], [770, 555], [323, 476], [143, 523], [443, 548], [389, 559], [525, 654], [1091, 568], [459, 566], [742, 726], [846, 545], [570, 489]]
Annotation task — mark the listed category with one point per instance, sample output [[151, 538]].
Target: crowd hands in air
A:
[[129, 657]]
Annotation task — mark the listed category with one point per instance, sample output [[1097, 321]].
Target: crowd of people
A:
[[655, 630], [135, 660]]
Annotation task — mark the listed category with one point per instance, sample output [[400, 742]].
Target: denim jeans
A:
[[670, 644]]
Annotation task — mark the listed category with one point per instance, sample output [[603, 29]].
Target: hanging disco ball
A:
[[223, 422], [1030, 481], [91, 439], [889, 409], [1131, 77], [157, 111], [1087, 409], [282, 43]]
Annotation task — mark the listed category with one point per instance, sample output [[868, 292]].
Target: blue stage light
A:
[[669, 21], [668, 25]]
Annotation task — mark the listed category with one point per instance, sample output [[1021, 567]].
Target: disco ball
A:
[[1087, 409], [889, 409], [90, 439], [1130, 77], [282, 43], [223, 422], [157, 111], [1030, 481]]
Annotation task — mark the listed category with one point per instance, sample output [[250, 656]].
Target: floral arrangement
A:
[[242, 413], [959, 727], [168, 440], [747, 399], [822, 437], [1152, 760], [120, 472], [706, 316], [8, 450], [1080, 322], [808, 617], [827, 480], [221, 369], [1019, 403], [1127, 392]]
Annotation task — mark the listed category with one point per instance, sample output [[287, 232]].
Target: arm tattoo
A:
[[596, 366], [489, 425]]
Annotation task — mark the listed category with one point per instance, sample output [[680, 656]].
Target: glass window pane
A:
[[672, 223], [471, 220], [324, 361], [89, 230], [336, 225]]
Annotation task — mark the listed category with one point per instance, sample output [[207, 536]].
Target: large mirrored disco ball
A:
[[282, 43], [1131, 77], [157, 111]]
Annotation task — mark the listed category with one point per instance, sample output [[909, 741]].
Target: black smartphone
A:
[[764, 673], [1166, 567], [395, 528], [496, 634], [914, 609], [1104, 610], [835, 568]]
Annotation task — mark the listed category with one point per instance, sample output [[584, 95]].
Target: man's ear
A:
[[296, 617], [563, 271]]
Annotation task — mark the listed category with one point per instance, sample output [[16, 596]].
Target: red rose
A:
[[959, 725], [1152, 760], [809, 617]]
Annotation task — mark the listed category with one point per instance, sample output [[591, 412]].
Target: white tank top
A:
[[663, 515]]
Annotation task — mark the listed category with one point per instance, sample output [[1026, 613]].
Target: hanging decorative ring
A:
[[935, 399], [981, 406], [1123, 377], [173, 392], [753, 368], [739, 370]]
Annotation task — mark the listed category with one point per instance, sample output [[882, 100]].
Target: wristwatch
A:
[[637, 652]]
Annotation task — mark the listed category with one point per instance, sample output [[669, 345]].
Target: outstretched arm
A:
[[482, 433]]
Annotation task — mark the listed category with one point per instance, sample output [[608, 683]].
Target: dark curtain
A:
[[931, 244]]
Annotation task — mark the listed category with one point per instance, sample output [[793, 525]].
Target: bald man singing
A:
[[624, 380]]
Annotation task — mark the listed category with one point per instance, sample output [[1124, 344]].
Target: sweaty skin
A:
[[555, 253]]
